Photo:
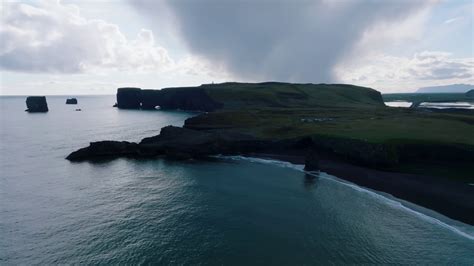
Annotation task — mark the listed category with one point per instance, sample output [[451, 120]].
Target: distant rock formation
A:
[[454, 88], [191, 99], [36, 104], [470, 93], [71, 101], [129, 98]]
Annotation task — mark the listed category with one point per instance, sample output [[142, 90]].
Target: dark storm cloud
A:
[[276, 40]]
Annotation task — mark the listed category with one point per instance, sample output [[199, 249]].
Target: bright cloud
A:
[[428, 68], [52, 37]]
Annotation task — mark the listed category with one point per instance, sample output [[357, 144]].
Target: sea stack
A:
[[71, 101], [129, 98], [312, 161], [36, 104]]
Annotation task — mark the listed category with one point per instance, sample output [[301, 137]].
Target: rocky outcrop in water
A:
[[180, 143], [36, 104], [103, 149], [71, 101], [173, 142], [470, 94]]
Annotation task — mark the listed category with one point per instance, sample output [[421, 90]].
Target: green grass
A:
[[290, 95], [377, 125]]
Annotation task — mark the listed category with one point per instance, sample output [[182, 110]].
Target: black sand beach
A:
[[453, 199]]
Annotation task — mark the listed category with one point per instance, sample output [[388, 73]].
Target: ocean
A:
[[222, 211]]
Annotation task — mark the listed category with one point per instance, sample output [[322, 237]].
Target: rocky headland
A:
[[343, 130]]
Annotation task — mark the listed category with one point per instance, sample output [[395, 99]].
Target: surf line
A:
[[385, 199]]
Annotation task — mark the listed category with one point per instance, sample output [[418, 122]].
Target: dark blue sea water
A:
[[229, 211]]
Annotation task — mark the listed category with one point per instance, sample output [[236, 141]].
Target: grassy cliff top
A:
[[375, 125], [275, 110], [235, 95]]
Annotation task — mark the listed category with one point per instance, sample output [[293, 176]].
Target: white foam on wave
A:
[[298, 167], [394, 202]]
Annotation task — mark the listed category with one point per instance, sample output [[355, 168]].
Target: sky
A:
[[73, 47]]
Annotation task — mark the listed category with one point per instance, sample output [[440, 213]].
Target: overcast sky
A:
[[93, 47]]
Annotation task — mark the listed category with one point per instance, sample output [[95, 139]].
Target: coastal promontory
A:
[[423, 156]]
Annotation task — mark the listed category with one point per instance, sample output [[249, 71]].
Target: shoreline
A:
[[429, 215], [452, 199]]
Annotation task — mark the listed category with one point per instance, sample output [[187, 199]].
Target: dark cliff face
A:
[[187, 99], [150, 99], [167, 99], [128, 98], [376, 96], [36, 104], [212, 97]]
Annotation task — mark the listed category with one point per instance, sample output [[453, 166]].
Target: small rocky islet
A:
[[36, 104], [39, 104], [71, 101]]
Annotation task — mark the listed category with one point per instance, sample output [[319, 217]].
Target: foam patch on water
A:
[[298, 167], [390, 200]]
